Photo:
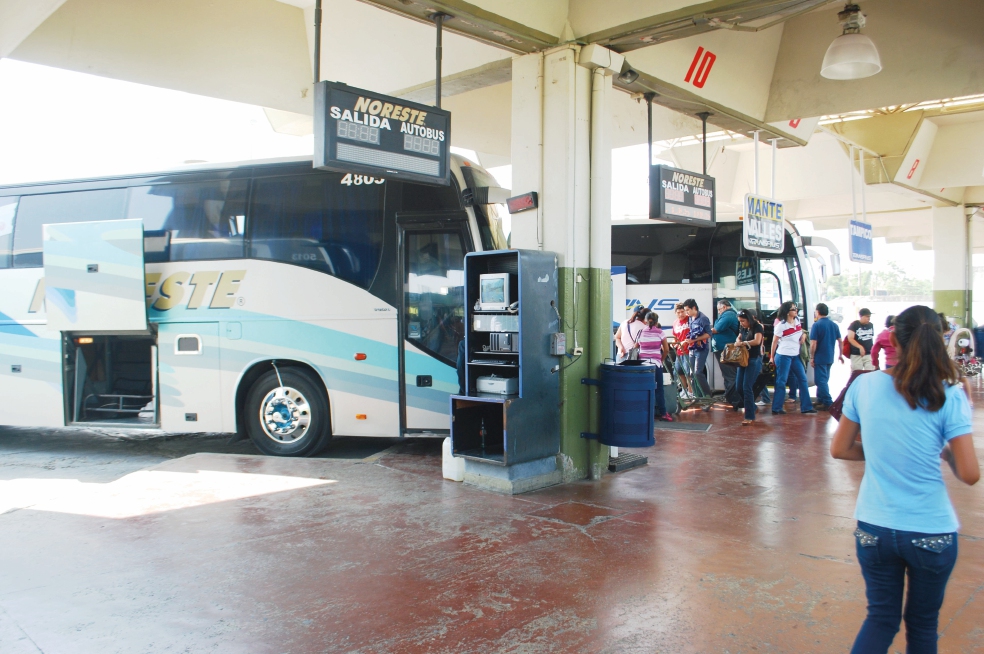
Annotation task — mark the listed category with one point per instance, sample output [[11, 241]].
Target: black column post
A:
[[317, 41], [703, 119], [439, 19], [649, 123]]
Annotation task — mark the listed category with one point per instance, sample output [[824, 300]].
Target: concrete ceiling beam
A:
[[18, 18], [478, 23], [491, 74], [251, 51], [696, 19]]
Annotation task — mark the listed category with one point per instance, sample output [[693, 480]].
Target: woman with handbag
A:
[[749, 337], [906, 540], [786, 346], [627, 335], [653, 347]]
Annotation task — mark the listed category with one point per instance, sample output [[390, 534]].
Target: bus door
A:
[[95, 297], [781, 281], [432, 251]]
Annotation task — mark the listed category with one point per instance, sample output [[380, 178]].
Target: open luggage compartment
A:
[[111, 379]]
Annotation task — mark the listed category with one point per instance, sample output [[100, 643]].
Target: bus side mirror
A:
[[835, 264]]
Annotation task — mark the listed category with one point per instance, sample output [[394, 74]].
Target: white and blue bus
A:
[[667, 263], [266, 298]]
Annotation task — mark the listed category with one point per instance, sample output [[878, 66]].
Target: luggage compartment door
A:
[[94, 276], [190, 379]]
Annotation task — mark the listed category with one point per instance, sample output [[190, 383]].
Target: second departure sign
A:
[[364, 132], [680, 196]]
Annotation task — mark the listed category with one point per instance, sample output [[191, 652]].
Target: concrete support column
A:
[[952, 276], [552, 154]]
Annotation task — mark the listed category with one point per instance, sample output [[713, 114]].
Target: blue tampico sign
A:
[[762, 225], [861, 248]]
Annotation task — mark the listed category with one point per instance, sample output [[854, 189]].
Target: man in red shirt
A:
[[680, 333]]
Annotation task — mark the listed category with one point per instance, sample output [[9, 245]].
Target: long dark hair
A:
[[784, 309], [749, 315], [924, 368]]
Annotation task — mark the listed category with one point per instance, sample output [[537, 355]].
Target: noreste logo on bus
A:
[[654, 304], [174, 289]]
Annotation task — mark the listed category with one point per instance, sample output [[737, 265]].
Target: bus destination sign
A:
[[680, 196], [762, 226], [364, 132]]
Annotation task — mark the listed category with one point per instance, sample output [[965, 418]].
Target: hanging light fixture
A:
[[852, 55]]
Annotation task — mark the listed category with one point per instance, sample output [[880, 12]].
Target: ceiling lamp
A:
[[852, 55]]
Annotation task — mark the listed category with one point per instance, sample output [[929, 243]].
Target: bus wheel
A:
[[289, 419]]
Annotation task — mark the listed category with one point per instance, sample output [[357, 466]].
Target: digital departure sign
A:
[[680, 196], [364, 132]]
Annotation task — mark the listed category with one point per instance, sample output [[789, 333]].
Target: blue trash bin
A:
[[628, 405], [978, 341]]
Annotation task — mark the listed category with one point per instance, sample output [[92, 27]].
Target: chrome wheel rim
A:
[[285, 415]]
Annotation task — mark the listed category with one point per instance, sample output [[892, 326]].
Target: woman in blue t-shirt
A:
[[911, 417]]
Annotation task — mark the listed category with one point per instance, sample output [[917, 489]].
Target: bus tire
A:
[[288, 420]]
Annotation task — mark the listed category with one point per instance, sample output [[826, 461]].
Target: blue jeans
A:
[[745, 381], [791, 368], [698, 359], [885, 563], [821, 375]]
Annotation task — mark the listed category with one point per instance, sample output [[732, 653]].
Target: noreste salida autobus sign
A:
[[680, 196], [379, 135]]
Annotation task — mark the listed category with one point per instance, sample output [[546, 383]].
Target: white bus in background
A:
[[667, 263], [269, 299]]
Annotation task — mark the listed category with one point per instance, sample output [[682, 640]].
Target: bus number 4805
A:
[[359, 180]]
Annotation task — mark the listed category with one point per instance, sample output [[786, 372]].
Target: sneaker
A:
[[760, 403], [780, 412], [667, 418]]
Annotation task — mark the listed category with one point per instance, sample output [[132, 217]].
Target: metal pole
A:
[[772, 187], [756, 135], [864, 209], [649, 138], [703, 138], [439, 54], [854, 193], [317, 41]]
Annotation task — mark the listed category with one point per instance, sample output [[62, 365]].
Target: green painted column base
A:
[[952, 303], [590, 315], [574, 450]]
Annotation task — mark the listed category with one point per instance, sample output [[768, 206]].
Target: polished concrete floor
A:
[[733, 540]]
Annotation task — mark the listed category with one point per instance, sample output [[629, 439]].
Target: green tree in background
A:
[[887, 280]]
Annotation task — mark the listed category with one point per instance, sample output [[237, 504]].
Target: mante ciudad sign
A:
[[680, 196], [762, 225], [358, 131]]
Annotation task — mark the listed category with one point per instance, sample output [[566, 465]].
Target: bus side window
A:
[[8, 207], [316, 222], [205, 219], [76, 207]]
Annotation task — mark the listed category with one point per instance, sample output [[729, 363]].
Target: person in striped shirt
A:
[[653, 347], [786, 341]]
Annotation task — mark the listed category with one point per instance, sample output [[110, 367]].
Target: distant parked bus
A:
[[269, 299], [667, 263]]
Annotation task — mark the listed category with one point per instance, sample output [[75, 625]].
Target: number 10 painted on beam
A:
[[703, 69]]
